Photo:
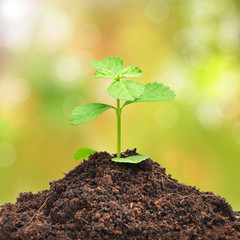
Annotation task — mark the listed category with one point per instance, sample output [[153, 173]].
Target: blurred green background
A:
[[191, 46]]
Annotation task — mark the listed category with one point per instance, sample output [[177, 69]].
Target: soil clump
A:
[[100, 199]]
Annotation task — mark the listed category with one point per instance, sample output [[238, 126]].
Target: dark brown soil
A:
[[101, 199]]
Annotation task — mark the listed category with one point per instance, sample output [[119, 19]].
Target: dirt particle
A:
[[100, 199]]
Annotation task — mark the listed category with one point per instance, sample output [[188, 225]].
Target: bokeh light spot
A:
[[89, 35], [84, 58], [56, 28], [17, 40], [191, 10], [17, 20], [182, 38], [167, 116], [68, 69], [216, 6], [226, 84], [196, 56], [7, 154], [184, 89], [14, 90], [228, 40], [157, 11], [15, 10], [229, 10], [210, 115]]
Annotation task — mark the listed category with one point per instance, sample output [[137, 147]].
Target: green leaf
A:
[[131, 72], [113, 64], [83, 153], [104, 73], [154, 92], [126, 90], [132, 159], [87, 112]]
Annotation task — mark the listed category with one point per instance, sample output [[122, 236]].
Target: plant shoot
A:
[[126, 90]]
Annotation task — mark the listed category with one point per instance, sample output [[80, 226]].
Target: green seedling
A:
[[125, 90]]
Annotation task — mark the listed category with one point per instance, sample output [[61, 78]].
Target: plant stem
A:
[[118, 111]]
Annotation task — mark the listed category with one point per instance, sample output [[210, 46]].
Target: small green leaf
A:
[[154, 92], [104, 73], [113, 64], [131, 72], [87, 112], [132, 159], [83, 153], [126, 90]]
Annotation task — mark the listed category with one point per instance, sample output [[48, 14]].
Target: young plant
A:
[[126, 90]]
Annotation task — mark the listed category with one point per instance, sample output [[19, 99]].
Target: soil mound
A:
[[101, 199]]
